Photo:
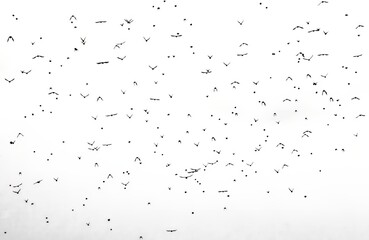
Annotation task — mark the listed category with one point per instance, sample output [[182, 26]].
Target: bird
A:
[[176, 35], [25, 72], [171, 230], [84, 96], [37, 182], [146, 39], [129, 21], [17, 192], [9, 81], [291, 190], [240, 22], [17, 186], [125, 184], [152, 68], [119, 44], [38, 56], [10, 38], [297, 27], [322, 2], [314, 30], [83, 40], [121, 58]]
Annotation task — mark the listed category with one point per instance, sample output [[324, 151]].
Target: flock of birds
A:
[[161, 118]]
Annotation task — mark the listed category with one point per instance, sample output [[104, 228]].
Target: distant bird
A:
[[125, 184], [17, 192], [297, 27], [10, 38], [25, 72], [9, 81], [322, 2], [38, 56], [129, 21], [250, 164], [37, 182], [83, 40], [152, 68]]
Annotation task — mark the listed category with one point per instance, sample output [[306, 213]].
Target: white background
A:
[[336, 202]]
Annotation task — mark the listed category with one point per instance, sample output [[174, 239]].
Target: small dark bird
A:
[[25, 72], [38, 182], [10, 38], [9, 81], [153, 68], [297, 27], [17, 192], [322, 2], [83, 40]]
